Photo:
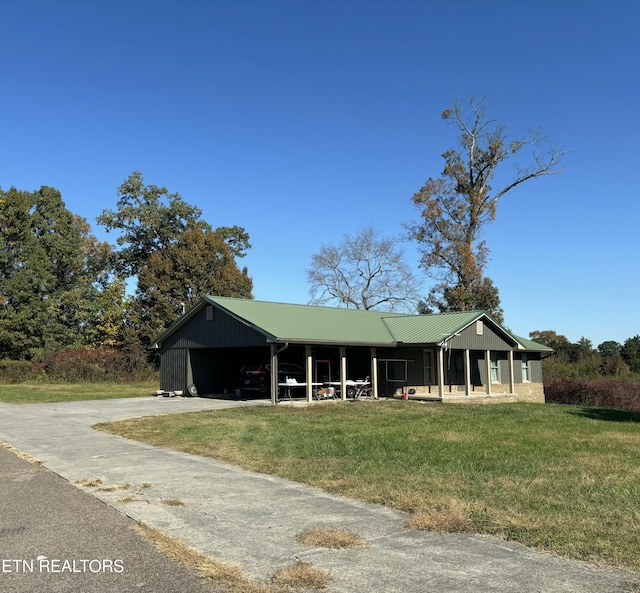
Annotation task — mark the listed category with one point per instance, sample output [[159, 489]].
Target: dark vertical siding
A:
[[535, 366], [469, 339], [220, 330], [174, 369]]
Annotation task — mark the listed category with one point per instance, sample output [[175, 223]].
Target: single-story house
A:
[[447, 356]]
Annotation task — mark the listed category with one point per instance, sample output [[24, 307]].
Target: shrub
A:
[[89, 364], [599, 394], [16, 371]]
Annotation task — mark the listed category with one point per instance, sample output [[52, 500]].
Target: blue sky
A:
[[302, 121]]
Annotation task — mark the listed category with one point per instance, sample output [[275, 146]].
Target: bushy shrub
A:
[[599, 394], [89, 364], [17, 371]]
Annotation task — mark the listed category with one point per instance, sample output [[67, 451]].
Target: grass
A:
[[299, 576], [562, 478], [330, 538], [31, 393]]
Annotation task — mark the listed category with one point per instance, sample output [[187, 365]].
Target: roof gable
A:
[[430, 329]]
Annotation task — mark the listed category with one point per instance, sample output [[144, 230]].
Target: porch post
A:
[[488, 361], [374, 373], [440, 373], [274, 375], [512, 385], [309, 373], [343, 373], [467, 372]]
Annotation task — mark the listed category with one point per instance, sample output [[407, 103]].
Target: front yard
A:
[[561, 478]]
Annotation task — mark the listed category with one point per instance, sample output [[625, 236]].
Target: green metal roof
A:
[[531, 345], [430, 329], [284, 322], [306, 323]]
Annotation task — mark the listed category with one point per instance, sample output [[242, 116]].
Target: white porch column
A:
[[512, 385], [343, 373], [467, 372], [488, 361], [374, 373], [274, 374], [309, 367], [440, 373]]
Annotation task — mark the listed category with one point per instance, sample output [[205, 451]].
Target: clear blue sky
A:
[[301, 121]]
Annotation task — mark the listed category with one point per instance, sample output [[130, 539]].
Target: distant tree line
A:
[[62, 290], [581, 360]]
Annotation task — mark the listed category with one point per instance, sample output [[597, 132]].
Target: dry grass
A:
[[115, 487], [90, 482], [130, 498], [20, 454], [302, 575], [331, 538], [446, 515], [173, 502], [232, 578], [298, 576]]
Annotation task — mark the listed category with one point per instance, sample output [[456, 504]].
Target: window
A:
[[479, 327], [209, 313], [495, 368], [526, 378], [429, 375]]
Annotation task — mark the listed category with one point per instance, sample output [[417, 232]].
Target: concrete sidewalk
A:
[[251, 519]]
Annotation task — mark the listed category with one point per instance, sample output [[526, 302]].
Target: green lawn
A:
[[562, 478], [31, 393]]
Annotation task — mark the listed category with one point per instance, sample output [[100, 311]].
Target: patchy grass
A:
[[90, 482], [233, 579], [126, 499], [173, 502], [331, 538], [36, 393], [21, 454], [562, 478], [114, 487], [302, 575]]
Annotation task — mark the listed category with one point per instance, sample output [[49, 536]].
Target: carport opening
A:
[[223, 371]]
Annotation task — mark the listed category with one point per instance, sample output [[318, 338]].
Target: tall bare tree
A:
[[455, 207], [364, 271]]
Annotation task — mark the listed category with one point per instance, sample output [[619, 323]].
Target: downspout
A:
[[274, 370]]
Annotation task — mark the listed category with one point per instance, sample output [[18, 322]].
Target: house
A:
[[448, 356]]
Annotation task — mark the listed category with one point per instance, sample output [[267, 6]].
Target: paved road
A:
[[251, 519]]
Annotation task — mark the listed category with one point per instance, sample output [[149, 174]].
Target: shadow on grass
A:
[[608, 414]]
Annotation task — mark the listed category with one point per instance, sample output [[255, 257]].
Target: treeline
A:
[[606, 376], [65, 311]]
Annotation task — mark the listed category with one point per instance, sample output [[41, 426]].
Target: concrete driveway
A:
[[251, 519]]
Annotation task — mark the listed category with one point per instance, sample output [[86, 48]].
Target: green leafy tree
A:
[[149, 219], [631, 353], [52, 274], [455, 207], [610, 349], [197, 264], [363, 271]]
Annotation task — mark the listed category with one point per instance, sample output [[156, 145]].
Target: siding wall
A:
[[175, 370], [471, 340], [220, 331]]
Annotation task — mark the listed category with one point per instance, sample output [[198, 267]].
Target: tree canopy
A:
[[455, 207], [197, 264], [52, 276], [363, 271]]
